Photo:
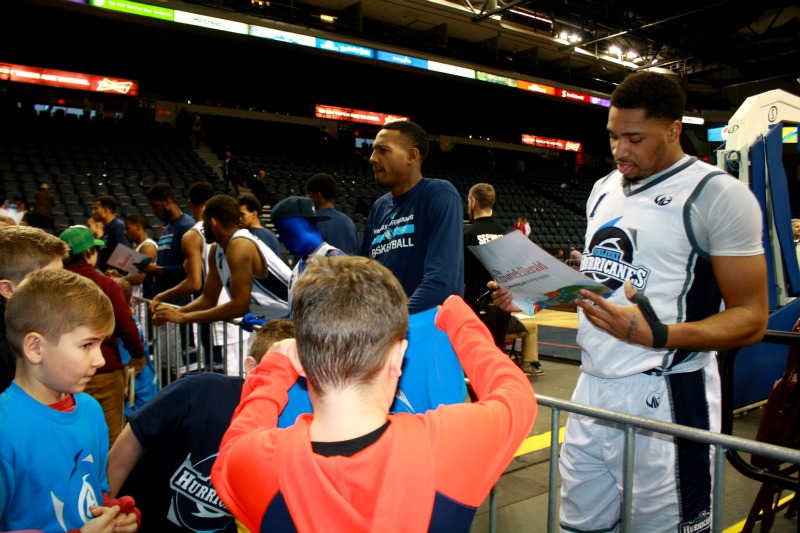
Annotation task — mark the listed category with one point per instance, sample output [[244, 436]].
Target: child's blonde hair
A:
[[273, 331], [24, 249], [55, 302]]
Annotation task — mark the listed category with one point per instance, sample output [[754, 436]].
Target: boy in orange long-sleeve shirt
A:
[[351, 466]]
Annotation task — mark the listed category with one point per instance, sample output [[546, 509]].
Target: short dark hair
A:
[[324, 184], [200, 192], [250, 202], [224, 209], [348, 311], [138, 218], [414, 134], [484, 194], [661, 97], [107, 201], [161, 192]]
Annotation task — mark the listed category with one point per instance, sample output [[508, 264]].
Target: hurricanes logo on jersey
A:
[[610, 260], [195, 504]]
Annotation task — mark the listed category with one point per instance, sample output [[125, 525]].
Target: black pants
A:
[[497, 321]]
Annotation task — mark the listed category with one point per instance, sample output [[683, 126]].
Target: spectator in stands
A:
[[108, 384], [182, 424], [41, 215], [649, 348], [258, 186], [256, 280], [526, 227], [796, 233], [350, 324], [168, 268], [143, 286], [416, 229], [197, 130], [575, 254], [518, 225], [338, 230], [249, 219], [105, 207], [23, 250], [231, 172]]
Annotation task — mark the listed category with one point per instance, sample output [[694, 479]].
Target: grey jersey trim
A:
[[660, 179], [687, 213]]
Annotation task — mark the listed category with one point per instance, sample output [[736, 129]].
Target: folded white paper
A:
[[535, 278]]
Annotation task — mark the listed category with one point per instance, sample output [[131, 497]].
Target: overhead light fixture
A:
[[632, 54], [327, 18], [615, 50]]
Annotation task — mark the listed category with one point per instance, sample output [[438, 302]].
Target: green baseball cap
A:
[[80, 239]]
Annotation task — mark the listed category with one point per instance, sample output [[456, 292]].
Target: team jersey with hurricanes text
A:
[[660, 233]]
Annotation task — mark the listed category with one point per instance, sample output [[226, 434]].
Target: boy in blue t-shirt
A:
[[53, 435]]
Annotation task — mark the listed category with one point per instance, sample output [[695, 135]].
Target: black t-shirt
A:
[[180, 430], [481, 231]]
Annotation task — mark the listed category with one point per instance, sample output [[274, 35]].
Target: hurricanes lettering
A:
[[190, 483], [614, 268]]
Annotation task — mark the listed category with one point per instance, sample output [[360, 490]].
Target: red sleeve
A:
[[475, 442], [243, 474], [125, 326]]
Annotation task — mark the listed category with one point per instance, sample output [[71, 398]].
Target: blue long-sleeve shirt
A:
[[419, 237]]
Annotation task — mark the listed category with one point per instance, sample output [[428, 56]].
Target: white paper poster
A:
[[535, 278]]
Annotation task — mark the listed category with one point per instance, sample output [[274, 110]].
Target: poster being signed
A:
[[535, 278]]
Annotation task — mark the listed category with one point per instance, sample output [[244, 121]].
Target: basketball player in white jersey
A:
[[679, 243], [254, 277]]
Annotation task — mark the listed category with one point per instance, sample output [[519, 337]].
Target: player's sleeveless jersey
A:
[[324, 250], [149, 281], [657, 250], [199, 229], [269, 295]]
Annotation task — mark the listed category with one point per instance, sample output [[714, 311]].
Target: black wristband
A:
[[658, 328]]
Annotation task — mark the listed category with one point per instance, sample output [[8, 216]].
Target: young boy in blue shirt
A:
[[54, 440]]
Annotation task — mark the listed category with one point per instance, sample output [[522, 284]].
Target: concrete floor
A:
[[521, 493]]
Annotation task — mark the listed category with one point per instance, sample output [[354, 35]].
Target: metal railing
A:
[[724, 445], [720, 442], [177, 349]]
